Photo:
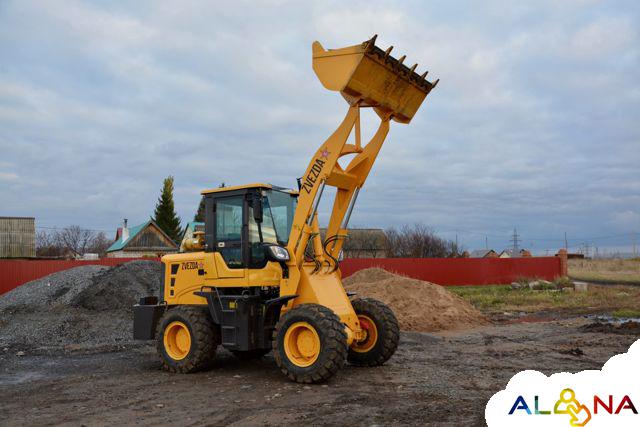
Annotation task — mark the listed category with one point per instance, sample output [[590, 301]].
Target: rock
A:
[[516, 285], [535, 285], [580, 286], [567, 289], [20, 353], [160, 405], [540, 285]]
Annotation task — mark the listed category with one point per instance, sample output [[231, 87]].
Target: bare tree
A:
[[47, 244], [75, 239], [72, 240], [418, 241], [99, 244]]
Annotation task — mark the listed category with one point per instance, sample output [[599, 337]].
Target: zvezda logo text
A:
[[579, 413]]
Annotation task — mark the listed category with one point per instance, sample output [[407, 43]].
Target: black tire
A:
[[204, 339], [388, 333], [332, 337], [250, 354]]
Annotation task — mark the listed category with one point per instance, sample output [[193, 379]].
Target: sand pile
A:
[[87, 307], [418, 305]]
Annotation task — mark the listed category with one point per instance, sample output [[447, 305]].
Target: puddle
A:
[[20, 377], [614, 325], [611, 320]]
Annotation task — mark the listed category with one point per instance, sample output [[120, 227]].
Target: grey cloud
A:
[[534, 124]]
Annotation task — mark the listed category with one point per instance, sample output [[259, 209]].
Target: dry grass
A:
[[599, 299], [605, 270]]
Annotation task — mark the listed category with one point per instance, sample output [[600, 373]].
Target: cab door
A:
[[229, 232]]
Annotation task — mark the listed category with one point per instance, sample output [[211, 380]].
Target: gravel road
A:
[[433, 379]]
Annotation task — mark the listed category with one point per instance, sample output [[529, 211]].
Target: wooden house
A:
[[144, 240]]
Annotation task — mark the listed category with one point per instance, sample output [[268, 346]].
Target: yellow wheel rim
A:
[[371, 335], [177, 340], [302, 344]]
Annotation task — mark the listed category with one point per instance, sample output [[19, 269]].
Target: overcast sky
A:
[[535, 123]]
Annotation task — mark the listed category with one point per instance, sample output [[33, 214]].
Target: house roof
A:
[[480, 253], [120, 244], [510, 251]]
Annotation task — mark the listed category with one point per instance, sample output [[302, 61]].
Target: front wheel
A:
[[186, 339], [310, 343], [382, 333]]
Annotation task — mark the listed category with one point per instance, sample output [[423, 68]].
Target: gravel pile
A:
[[85, 308]]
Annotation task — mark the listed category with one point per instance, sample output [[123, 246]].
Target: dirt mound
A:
[[84, 307], [418, 305], [368, 275]]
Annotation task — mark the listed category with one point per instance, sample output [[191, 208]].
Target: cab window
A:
[[229, 230]]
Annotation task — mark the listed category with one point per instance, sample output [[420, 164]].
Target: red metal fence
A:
[[443, 271], [463, 271]]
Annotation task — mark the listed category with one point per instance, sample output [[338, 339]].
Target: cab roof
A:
[[242, 187]]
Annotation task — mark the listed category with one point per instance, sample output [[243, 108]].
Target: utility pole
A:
[[633, 239], [566, 245], [486, 242], [515, 239]]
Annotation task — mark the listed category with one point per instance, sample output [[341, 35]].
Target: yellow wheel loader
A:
[[261, 278]]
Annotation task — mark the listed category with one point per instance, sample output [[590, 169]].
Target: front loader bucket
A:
[[368, 75]]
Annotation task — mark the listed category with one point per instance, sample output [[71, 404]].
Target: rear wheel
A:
[[186, 339], [382, 333], [310, 343]]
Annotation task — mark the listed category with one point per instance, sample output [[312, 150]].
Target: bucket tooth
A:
[[368, 76], [387, 53], [424, 75], [371, 42]]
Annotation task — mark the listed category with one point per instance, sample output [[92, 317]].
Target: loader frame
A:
[[246, 301]]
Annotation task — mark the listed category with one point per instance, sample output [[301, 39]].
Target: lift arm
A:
[[367, 77]]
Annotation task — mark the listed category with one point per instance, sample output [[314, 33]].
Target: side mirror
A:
[[257, 209]]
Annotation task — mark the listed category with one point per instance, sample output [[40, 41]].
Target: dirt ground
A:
[[433, 379]]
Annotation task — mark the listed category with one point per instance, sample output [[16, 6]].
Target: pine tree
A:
[[165, 214], [199, 216]]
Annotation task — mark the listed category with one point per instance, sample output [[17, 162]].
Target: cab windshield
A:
[[278, 210]]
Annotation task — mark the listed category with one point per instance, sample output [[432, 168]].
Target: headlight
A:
[[278, 253]]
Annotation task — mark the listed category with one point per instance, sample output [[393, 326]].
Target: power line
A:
[[515, 239]]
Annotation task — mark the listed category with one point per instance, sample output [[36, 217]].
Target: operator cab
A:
[[249, 224]]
